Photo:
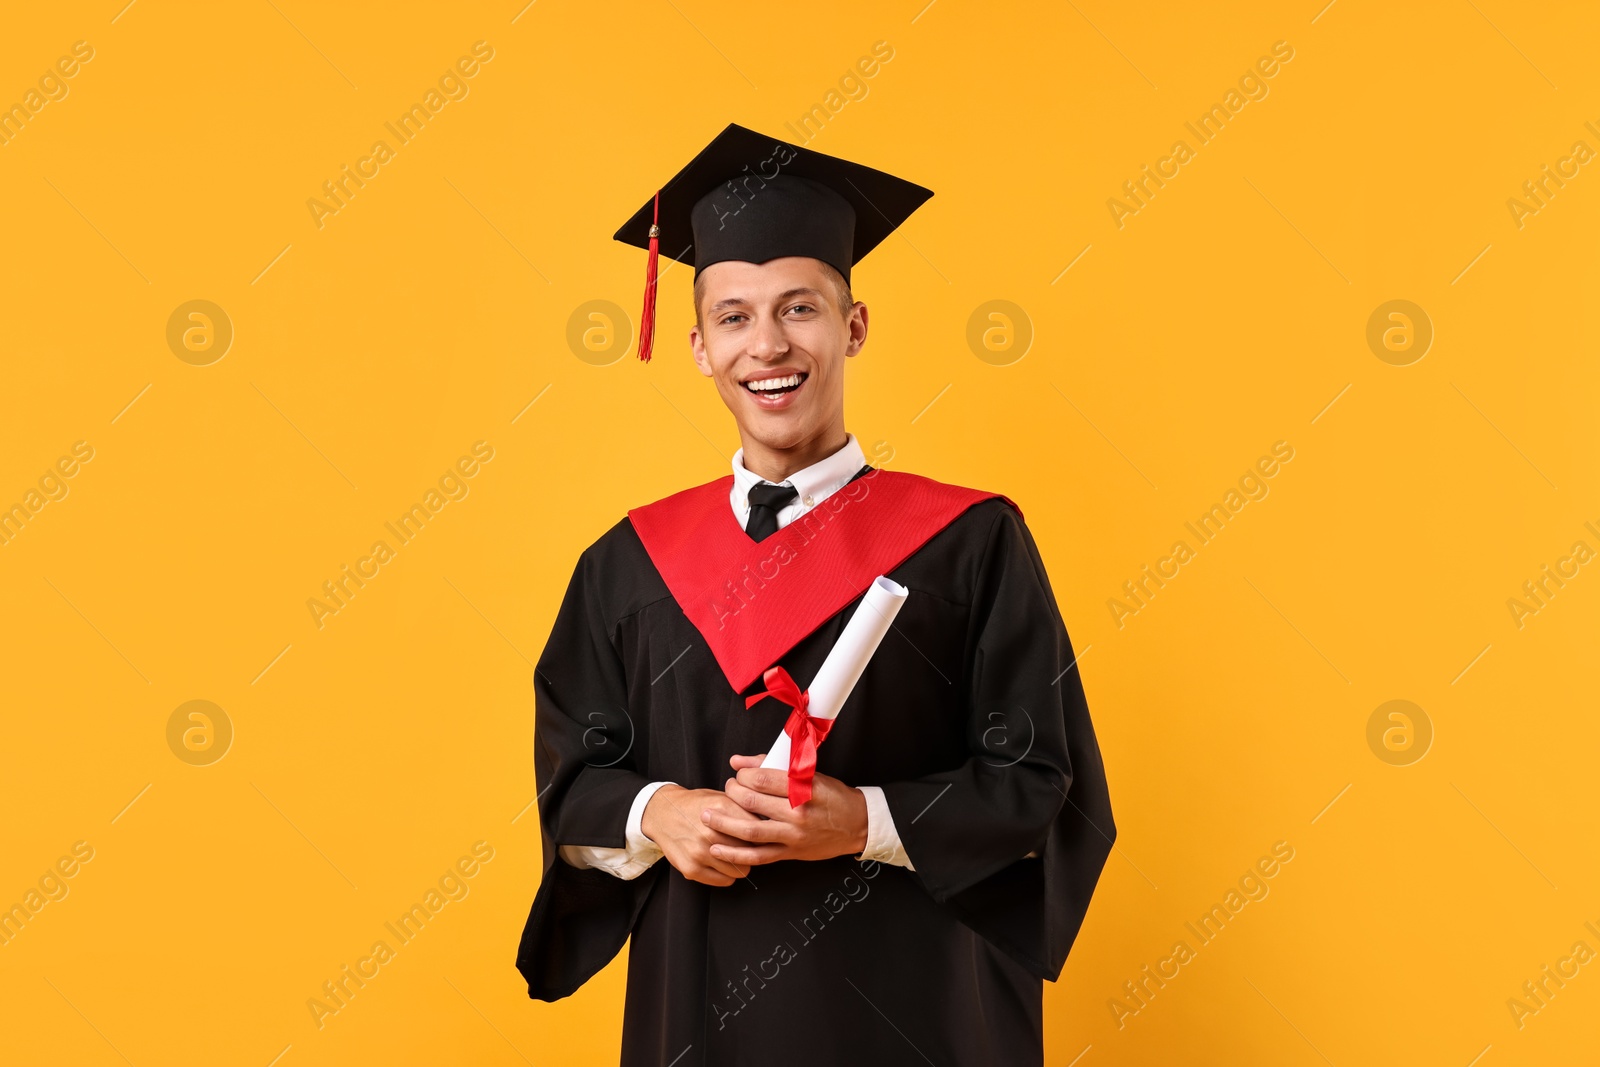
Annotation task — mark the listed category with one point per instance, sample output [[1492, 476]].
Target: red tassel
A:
[[647, 319]]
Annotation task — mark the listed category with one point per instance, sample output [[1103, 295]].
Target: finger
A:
[[700, 865], [746, 828], [742, 826], [750, 855], [732, 807], [759, 803], [726, 865], [746, 761], [769, 780], [728, 868], [708, 876]]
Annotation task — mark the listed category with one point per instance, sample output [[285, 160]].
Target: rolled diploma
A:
[[848, 658]]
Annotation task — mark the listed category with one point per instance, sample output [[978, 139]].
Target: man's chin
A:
[[777, 430]]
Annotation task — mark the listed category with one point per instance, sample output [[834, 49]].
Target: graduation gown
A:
[[970, 716]]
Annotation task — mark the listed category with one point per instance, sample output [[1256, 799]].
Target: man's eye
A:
[[729, 318], [802, 308]]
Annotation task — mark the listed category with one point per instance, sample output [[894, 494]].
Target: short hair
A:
[[841, 287]]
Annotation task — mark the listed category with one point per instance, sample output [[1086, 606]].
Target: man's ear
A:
[[858, 329], [697, 345]]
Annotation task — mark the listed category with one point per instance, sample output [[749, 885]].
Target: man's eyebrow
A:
[[739, 301]]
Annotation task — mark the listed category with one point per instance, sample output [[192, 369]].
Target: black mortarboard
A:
[[751, 197]]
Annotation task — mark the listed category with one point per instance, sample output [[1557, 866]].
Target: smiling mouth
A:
[[777, 386]]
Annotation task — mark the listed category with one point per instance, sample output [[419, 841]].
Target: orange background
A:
[[1115, 401]]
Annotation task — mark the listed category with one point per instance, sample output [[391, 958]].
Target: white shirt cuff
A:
[[883, 841], [630, 861]]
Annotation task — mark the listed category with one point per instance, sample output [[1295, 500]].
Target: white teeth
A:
[[773, 383]]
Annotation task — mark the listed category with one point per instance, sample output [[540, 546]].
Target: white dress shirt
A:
[[813, 485]]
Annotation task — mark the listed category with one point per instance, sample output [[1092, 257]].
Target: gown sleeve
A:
[[1034, 780], [584, 759]]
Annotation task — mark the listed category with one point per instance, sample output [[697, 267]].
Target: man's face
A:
[[778, 321]]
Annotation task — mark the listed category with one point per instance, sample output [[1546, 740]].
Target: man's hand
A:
[[672, 820], [832, 823]]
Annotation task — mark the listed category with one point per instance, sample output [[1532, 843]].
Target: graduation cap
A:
[[750, 197]]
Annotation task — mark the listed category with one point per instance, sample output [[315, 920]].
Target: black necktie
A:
[[766, 500]]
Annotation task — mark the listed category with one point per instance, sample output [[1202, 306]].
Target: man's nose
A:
[[767, 339]]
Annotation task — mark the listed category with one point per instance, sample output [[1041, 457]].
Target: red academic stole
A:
[[755, 600]]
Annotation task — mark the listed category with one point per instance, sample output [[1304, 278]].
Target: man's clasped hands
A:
[[715, 836]]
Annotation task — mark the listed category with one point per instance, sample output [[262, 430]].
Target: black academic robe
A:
[[970, 716]]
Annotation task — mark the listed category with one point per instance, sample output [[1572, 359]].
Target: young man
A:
[[958, 818]]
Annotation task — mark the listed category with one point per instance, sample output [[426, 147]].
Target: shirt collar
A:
[[812, 483]]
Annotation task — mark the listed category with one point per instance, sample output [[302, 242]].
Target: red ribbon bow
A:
[[805, 731]]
